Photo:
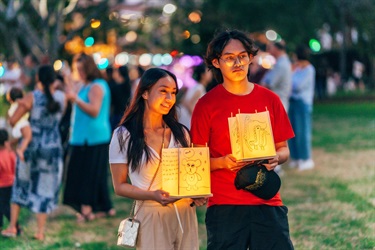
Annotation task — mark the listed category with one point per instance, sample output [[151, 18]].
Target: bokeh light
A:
[[271, 35], [89, 41], [186, 34], [180, 83], [174, 53], [122, 58], [2, 70], [145, 59], [166, 59], [156, 60], [131, 36], [103, 63], [169, 9], [95, 23], [195, 39], [314, 45], [195, 17], [187, 61], [57, 65], [267, 61], [97, 56]]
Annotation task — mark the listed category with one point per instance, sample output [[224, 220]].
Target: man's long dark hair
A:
[[217, 45], [133, 120]]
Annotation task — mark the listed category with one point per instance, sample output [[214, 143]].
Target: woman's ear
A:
[[145, 95], [215, 63]]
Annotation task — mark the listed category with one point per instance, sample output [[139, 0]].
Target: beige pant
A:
[[162, 227]]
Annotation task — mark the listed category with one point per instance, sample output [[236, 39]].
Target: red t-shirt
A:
[[209, 125], [7, 167]]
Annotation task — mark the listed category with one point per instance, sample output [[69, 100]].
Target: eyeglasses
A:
[[230, 60]]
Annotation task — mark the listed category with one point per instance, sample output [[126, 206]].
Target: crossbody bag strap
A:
[[153, 178]]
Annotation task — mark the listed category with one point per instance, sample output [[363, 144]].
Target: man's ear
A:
[[215, 63]]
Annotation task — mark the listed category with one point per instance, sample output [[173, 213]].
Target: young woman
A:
[[86, 188], [149, 124], [300, 110], [203, 77], [38, 178]]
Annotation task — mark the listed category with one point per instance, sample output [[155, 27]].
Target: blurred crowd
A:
[[59, 125]]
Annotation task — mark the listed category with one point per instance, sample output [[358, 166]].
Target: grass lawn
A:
[[330, 207]]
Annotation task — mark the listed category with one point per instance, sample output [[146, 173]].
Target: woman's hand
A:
[[71, 96], [163, 197]]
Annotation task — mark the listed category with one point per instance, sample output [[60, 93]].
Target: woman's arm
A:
[[24, 106], [92, 108], [119, 173]]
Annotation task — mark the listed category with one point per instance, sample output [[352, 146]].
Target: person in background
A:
[[300, 110], [38, 178], [109, 77], [279, 78], [64, 126], [86, 187], [136, 146], [322, 70], [120, 93], [203, 77], [238, 219], [29, 72], [257, 71], [7, 172], [21, 130], [135, 82], [11, 77]]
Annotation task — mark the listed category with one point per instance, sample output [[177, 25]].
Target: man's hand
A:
[[272, 163]]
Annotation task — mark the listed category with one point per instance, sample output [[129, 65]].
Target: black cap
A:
[[256, 179]]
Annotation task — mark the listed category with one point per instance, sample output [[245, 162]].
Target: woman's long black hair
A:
[[133, 120], [47, 76]]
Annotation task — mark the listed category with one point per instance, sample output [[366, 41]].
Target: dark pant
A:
[[240, 227], [5, 193], [87, 178]]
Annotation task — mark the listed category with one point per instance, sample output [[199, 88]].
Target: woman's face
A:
[[81, 70], [162, 96]]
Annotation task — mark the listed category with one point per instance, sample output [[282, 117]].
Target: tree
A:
[[295, 20], [39, 27]]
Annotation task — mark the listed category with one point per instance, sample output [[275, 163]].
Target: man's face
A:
[[233, 62]]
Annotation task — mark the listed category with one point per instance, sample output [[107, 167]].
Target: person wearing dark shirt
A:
[[120, 94]]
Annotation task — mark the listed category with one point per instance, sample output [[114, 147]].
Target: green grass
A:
[[4, 106], [330, 207], [344, 126]]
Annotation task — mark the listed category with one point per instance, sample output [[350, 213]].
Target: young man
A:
[[237, 219]]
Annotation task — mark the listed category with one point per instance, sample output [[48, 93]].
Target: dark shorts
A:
[[247, 227]]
